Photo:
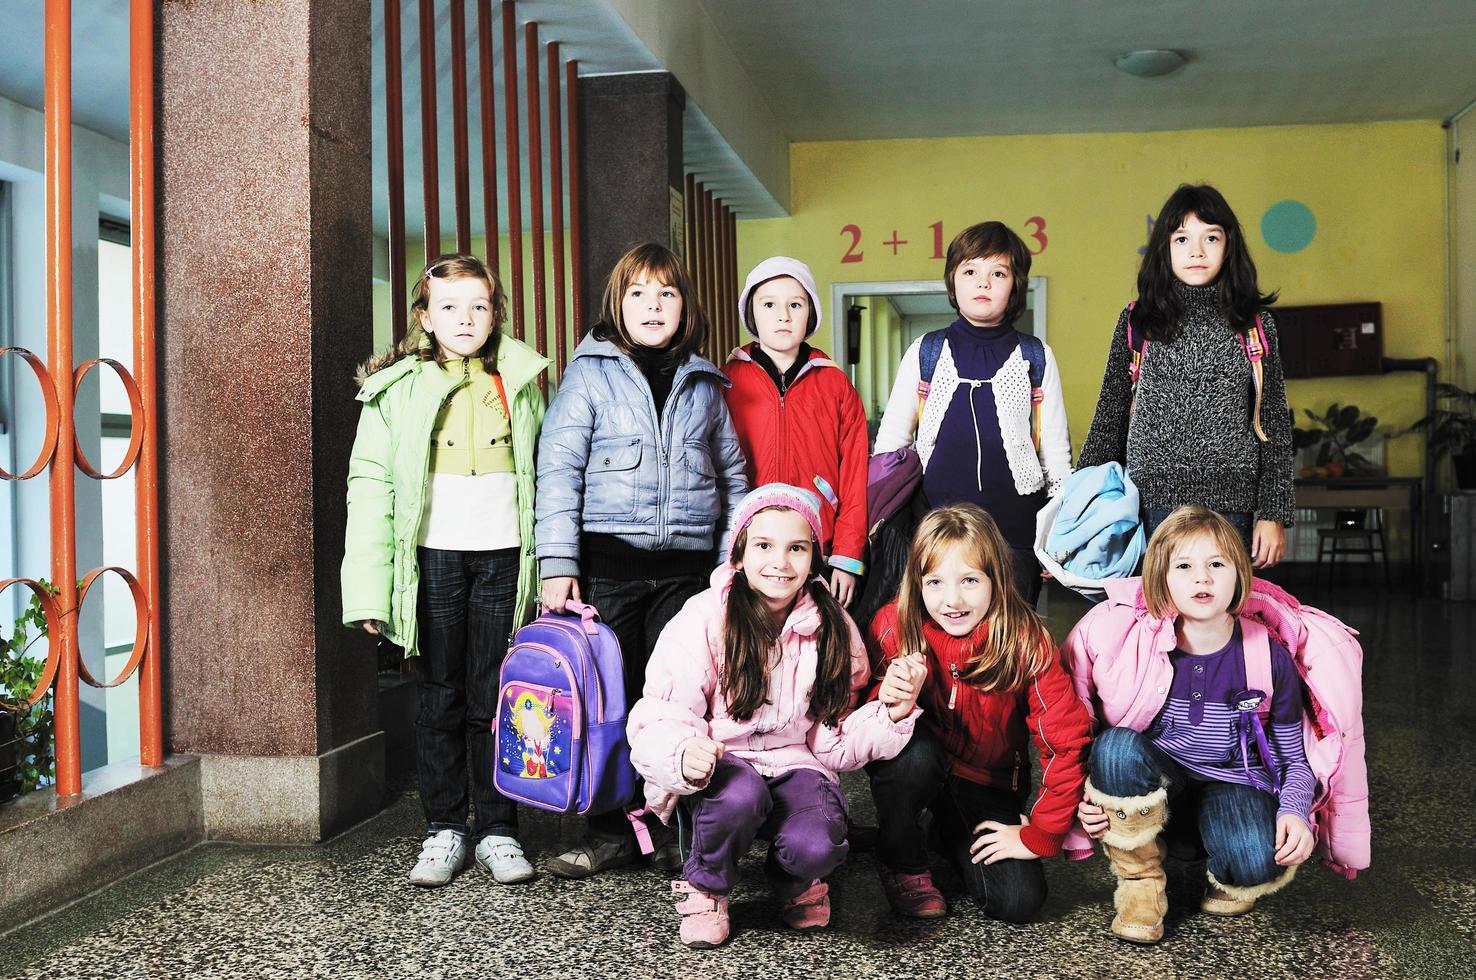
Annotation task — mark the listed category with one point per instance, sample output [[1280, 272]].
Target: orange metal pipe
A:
[[709, 252], [394, 99], [689, 217], [458, 125], [489, 133], [695, 246], [146, 477], [514, 158], [724, 281], [556, 203], [739, 330], [58, 126], [430, 159], [576, 246], [535, 193]]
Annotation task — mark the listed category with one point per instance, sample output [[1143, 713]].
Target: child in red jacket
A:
[[993, 681], [798, 418]]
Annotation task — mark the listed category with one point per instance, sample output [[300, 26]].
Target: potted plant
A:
[[1452, 432], [27, 756], [1335, 434]]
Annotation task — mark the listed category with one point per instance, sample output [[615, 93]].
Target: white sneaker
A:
[[502, 858], [441, 856]]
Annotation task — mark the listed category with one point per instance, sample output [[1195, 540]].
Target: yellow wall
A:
[[1376, 191]]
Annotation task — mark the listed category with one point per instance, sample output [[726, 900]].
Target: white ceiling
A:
[[864, 69], [878, 69]]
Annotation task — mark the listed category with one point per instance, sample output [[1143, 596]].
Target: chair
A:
[[1355, 531]]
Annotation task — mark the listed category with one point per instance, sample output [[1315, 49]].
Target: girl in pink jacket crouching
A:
[[747, 712]]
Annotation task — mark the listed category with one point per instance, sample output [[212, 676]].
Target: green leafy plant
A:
[[1335, 433], [19, 674], [1450, 431]]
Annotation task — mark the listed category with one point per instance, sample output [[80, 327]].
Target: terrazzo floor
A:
[[345, 909]]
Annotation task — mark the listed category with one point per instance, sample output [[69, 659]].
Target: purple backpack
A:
[[561, 711]]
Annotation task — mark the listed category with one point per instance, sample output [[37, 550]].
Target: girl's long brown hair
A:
[[660, 263], [1017, 646], [423, 346], [749, 633]]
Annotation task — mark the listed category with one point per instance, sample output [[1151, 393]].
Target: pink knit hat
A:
[[803, 502], [773, 268]]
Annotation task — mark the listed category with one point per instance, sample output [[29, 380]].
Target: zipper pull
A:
[[953, 689], [1015, 780]]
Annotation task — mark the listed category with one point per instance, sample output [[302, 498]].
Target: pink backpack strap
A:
[[1256, 645], [1253, 341], [1136, 350]]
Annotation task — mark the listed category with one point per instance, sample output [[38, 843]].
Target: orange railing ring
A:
[[141, 617], [53, 415], [135, 431], [53, 652]]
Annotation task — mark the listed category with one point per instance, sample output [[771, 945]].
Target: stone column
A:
[[264, 310], [630, 175]]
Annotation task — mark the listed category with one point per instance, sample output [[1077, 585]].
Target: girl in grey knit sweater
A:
[[1197, 430]]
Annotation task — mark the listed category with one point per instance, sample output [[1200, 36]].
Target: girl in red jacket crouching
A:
[[799, 421], [993, 675]]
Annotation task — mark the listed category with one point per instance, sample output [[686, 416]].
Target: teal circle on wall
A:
[[1288, 226]]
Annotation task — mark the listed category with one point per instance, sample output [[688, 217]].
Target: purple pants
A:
[[802, 812]]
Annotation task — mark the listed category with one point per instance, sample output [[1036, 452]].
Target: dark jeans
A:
[[917, 780], [1025, 569], [637, 611], [1234, 825], [1242, 521], [465, 612]]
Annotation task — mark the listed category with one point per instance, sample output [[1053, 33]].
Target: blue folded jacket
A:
[[1098, 532]]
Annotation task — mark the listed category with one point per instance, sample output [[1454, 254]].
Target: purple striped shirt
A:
[[1200, 728]]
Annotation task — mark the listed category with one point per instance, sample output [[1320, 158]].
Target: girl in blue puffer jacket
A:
[[639, 472]]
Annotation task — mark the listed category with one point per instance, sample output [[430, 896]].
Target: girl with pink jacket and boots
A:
[[1188, 731], [749, 712]]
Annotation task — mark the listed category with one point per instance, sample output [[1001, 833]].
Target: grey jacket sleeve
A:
[[563, 455], [732, 478], [1106, 440], [1275, 490]]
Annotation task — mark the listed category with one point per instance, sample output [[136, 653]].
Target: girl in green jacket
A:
[[439, 553]]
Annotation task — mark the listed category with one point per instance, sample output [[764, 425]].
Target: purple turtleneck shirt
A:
[[968, 463]]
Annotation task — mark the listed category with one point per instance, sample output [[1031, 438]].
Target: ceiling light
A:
[[1150, 62]]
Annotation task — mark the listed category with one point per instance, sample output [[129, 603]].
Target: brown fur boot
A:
[[1136, 851], [1221, 899]]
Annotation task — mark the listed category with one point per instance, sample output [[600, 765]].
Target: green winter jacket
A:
[[387, 477]]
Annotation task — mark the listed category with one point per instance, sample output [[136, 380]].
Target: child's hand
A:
[[902, 684], [1093, 819], [558, 591], [842, 586], [998, 841], [1268, 544], [369, 626], [1294, 840], [700, 759]]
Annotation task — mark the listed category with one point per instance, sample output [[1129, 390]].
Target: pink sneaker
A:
[[704, 917], [810, 909], [914, 896]]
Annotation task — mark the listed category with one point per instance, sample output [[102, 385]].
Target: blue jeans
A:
[[465, 612], [1243, 521], [1233, 825], [917, 780]]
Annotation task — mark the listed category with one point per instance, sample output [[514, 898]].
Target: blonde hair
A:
[[424, 346], [1018, 646], [1189, 522], [652, 261]]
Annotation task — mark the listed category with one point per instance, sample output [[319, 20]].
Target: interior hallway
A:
[[346, 910]]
